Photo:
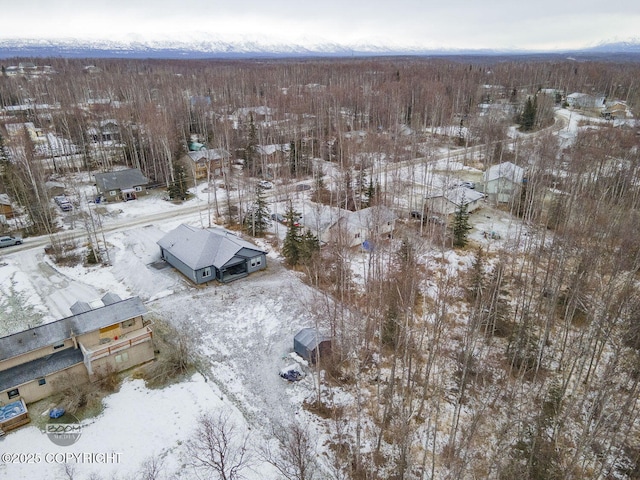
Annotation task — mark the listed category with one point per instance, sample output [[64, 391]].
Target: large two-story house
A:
[[108, 335]]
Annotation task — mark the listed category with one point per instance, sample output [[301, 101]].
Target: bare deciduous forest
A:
[[460, 362]]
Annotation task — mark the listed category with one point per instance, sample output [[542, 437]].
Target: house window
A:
[[206, 272], [42, 381], [128, 323], [112, 193], [59, 345], [258, 261], [13, 393], [357, 235], [122, 357], [137, 189]]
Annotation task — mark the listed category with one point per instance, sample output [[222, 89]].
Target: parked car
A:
[[302, 187], [8, 241], [265, 184], [63, 202], [470, 185], [416, 214], [278, 218]]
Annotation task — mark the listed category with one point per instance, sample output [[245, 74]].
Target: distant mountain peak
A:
[[203, 45]]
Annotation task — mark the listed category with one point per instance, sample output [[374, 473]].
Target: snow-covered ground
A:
[[244, 330]]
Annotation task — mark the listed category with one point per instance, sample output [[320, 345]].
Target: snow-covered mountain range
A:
[[211, 47]]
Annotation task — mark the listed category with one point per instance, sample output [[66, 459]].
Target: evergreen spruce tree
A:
[[528, 117], [371, 193], [477, 275], [309, 245], [250, 150], [292, 248], [320, 193], [461, 225], [257, 220], [178, 188]]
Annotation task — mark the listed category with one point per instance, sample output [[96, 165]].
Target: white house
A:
[[363, 226], [501, 182], [584, 100], [448, 201]]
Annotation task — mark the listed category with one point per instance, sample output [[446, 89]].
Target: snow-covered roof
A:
[[84, 322], [367, 217], [120, 180], [4, 199], [208, 154], [458, 195], [198, 248], [507, 170], [310, 338], [271, 149], [245, 111]]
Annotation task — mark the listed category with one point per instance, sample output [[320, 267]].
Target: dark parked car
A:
[[63, 202], [8, 241], [278, 218]]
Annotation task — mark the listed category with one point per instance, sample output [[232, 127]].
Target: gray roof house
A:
[[206, 162], [502, 182], [108, 335], [311, 345], [447, 201], [121, 184], [366, 225], [203, 255]]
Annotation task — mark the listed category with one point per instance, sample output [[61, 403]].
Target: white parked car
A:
[[265, 184], [8, 241]]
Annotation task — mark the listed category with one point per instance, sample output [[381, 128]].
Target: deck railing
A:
[[120, 344]]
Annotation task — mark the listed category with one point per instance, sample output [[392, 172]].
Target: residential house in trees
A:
[[107, 335], [259, 114], [206, 162], [6, 208], [502, 182], [203, 255], [363, 227], [584, 100], [121, 185], [105, 132], [616, 110], [445, 202]]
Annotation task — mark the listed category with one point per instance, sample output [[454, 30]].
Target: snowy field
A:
[[244, 330]]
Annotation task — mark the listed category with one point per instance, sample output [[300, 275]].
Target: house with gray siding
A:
[[203, 255], [502, 182], [121, 185]]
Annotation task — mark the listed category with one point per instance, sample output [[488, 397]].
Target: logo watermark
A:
[[66, 432]]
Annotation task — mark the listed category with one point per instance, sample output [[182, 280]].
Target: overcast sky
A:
[[533, 25]]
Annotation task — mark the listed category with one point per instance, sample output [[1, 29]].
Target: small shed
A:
[[311, 345]]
